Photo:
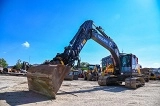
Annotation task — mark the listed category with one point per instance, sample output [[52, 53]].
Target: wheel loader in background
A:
[[92, 73], [47, 78]]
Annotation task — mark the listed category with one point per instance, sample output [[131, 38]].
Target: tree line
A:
[[18, 65], [4, 64]]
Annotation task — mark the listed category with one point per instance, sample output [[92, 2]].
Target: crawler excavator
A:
[[47, 78]]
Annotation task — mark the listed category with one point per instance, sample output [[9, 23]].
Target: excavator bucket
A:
[[46, 79]]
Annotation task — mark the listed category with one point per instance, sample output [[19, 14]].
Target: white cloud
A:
[[26, 44]]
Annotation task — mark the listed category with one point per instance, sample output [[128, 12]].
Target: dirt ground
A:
[[14, 92]]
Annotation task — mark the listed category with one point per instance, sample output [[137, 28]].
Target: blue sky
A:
[[36, 30]]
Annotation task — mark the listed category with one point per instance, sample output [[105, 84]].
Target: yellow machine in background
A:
[[108, 70], [152, 76], [146, 74], [92, 73]]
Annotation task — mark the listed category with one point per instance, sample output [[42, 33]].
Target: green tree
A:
[[84, 64], [104, 68], [3, 63], [18, 65]]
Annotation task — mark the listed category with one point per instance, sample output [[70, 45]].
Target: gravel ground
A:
[[14, 91]]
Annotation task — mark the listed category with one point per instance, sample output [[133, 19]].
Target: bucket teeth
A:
[[46, 79]]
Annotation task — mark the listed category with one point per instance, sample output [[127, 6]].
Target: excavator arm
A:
[[87, 31]]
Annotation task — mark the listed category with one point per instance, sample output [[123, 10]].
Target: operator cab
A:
[[128, 63]]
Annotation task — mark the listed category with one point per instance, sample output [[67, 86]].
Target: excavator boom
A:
[[87, 31]]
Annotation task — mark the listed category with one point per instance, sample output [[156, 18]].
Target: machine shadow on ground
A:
[[22, 97], [111, 88]]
